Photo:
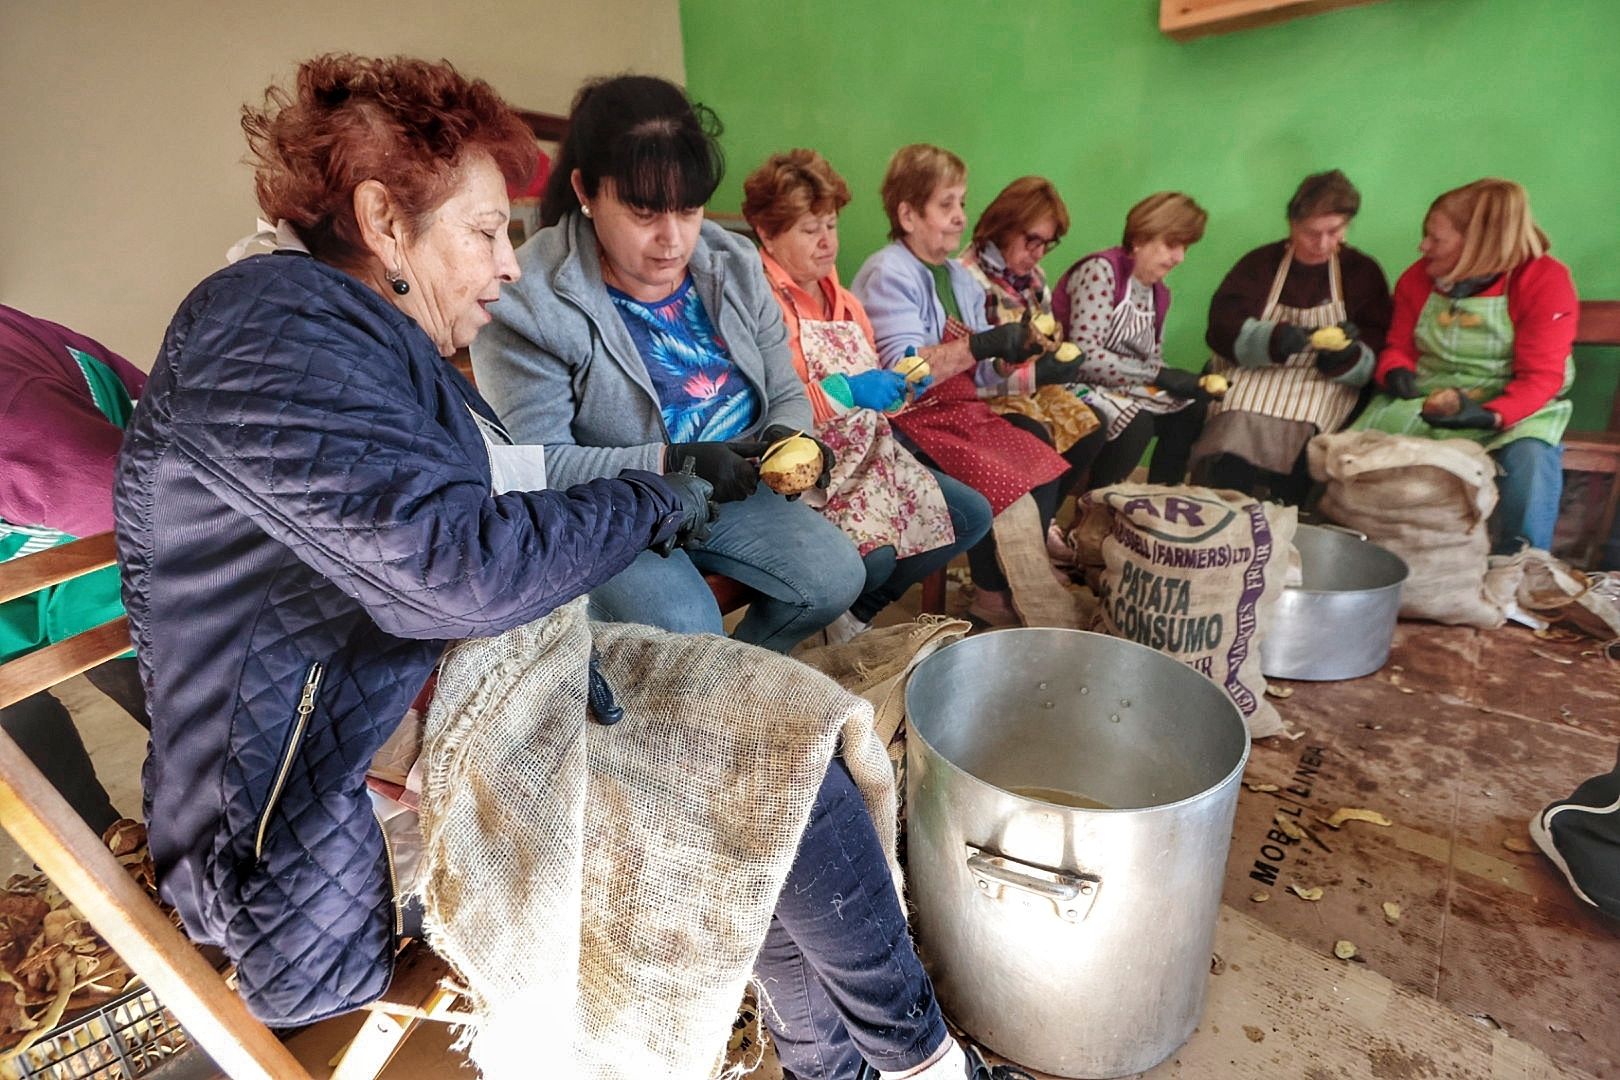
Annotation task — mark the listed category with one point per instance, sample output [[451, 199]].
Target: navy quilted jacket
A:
[[304, 519]]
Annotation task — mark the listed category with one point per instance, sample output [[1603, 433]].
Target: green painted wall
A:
[[1409, 97]]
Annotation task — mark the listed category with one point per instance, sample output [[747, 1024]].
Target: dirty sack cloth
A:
[[1195, 573], [1551, 589], [1037, 596], [604, 890], [1429, 501], [877, 665]]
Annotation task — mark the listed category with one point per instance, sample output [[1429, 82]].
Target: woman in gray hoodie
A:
[[641, 336]]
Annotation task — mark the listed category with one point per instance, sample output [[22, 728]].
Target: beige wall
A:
[[121, 175]]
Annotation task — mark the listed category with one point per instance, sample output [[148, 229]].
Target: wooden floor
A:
[[1492, 968]]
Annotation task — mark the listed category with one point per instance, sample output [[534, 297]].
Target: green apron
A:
[[1468, 344], [30, 622]]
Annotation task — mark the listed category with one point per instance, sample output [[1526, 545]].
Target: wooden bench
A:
[[1598, 451], [74, 858]]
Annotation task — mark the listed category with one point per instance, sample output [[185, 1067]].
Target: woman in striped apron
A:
[[1112, 304], [1282, 390], [1487, 312]]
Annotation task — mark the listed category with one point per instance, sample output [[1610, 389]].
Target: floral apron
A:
[[970, 442], [879, 495], [1468, 344], [1293, 390]]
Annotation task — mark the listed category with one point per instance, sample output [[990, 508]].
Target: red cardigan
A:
[[1541, 303]]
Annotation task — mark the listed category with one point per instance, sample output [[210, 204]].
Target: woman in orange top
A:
[[907, 520]]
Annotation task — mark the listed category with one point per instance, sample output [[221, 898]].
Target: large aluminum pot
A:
[[1339, 622], [1070, 937]]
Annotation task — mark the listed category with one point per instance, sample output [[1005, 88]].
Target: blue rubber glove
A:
[[877, 389]]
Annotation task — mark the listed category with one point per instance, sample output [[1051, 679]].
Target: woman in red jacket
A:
[[1486, 312]]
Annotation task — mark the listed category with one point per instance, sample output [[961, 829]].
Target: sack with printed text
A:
[[1194, 573]]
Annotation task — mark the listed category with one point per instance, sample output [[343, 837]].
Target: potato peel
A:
[[1312, 893], [1289, 827], [1392, 912], [1355, 813], [1344, 950]]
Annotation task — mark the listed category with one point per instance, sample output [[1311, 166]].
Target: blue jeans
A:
[[888, 578], [842, 978], [803, 567], [1528, 494]]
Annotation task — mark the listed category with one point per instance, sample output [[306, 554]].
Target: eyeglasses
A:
[[1036, 240]]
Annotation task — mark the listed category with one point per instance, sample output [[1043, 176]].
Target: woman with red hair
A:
[[311, 503]]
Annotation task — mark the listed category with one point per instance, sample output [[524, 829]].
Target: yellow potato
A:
[[1214, 385], [791, 465], [1329, 339], [1067, 353], [1045, 323], [913, 367]]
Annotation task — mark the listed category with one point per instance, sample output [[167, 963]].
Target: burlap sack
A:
[[1551, 589], [1038, 597], [1194, 573], [604, 890], [1427, 500]]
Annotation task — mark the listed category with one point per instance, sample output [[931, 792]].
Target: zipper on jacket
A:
[[306, 706], [393, 876]]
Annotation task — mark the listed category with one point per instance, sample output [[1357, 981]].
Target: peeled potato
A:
[[1329, 339], [914, 368], [1214, 385], [1045, 323], [791, 466], [1067, 353], [1446, 401]]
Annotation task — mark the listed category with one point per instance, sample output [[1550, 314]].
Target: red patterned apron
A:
[[972, 443]]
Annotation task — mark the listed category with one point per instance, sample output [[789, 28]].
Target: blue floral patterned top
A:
[[702, 395]]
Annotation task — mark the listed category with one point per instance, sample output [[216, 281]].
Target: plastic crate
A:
[[129, 1036]]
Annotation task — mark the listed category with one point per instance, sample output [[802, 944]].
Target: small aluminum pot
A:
[[1070, 800], [1339, 622]]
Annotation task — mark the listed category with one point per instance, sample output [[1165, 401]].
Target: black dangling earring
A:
[[397, 280]]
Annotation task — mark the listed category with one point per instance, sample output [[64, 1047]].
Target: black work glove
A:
[[1286, 340], [599, 700], [1050, 371], [1013, 342], [697, 511], [1341, 360], [1402, 382], [1183, 384], [777, 432], [730, 466], [1471, 415]]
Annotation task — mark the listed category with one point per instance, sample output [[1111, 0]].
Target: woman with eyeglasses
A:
[[1018, 229]]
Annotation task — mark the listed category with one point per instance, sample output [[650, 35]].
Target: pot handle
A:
[[1071, 894]]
